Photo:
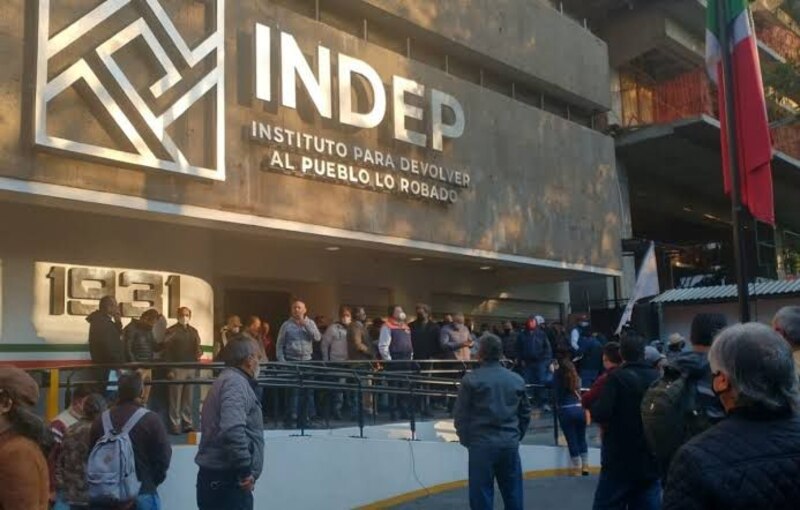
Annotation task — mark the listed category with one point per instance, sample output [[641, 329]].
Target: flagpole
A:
[[738, 212]]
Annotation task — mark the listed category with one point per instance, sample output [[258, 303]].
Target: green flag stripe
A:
[[735, 8]]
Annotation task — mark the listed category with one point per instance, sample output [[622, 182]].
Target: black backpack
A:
[[670, 414]]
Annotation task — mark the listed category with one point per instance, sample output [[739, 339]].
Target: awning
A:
[[728, 292]]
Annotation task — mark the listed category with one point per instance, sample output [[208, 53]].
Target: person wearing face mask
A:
[[231, 450], [535, 353], [456, 339], [334, 348], [24, 441], [181, 345], [425, 342], [751, 459], [140, 345], [395, 346]]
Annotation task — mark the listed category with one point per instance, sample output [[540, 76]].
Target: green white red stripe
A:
[[753, 139]]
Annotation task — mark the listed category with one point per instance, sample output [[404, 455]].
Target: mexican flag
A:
[[752, 127]]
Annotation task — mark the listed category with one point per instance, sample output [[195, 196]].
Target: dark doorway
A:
[[268, 305]]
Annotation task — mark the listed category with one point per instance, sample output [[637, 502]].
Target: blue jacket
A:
[[492, 408]]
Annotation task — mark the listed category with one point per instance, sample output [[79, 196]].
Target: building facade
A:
[[229, 155]]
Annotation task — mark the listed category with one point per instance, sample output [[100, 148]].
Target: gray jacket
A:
[[455, 341], [334, 343], [295, 341], [492, 408], [232, 426]]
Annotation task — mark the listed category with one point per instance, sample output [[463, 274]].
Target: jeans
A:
[[301, 405], [219, 490], [588, 377], [490, 463], [573, 424], [400, 405], [148, 502], [143, 502], [535, 372], [60, 503], [612, 494]]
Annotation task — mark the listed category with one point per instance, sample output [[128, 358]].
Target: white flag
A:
[[646, 285]]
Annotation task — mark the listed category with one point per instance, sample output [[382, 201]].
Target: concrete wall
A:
[[542, 187], [232, 261], [530, 36]]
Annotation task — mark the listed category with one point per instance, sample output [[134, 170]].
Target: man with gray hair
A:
[[491, 417], [231, 451], [751, 459], [787, 324]]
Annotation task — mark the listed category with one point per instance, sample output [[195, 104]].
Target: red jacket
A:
[[590, 397]]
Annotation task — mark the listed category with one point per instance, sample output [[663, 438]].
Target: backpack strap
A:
[[133, 420], [108, 427]]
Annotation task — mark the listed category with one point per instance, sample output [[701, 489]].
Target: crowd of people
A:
[[712, 427], [711, 423]]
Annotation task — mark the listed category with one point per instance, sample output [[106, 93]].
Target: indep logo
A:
[[82, 57]]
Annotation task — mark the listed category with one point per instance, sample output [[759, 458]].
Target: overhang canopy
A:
[[681, 161]]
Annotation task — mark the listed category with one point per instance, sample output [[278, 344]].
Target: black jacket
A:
[[695, 365], [151, 448], [181, 344], [105, 345], [139, 341], [492, 408], [750, 460], [625, 455], [425, 339]]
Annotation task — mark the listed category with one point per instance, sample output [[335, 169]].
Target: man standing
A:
[[140, 345], [253, 331], [535, 354], [693, 368], [334, 348], [360, 347], [629, 477], [394, 344], [295, 344], [105, 345], [492, 413], [231, 451], [787, 324], [456, 339], [425, 341], [58, 428], [181, 345], [509, 339], [758, 445], [151, 449]]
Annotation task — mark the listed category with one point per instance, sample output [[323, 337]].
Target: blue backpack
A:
[[111, 470]]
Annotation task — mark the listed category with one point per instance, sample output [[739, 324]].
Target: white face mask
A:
[[183, 320], [402, 316], [257, 371]]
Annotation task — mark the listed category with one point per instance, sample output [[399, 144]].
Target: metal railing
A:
[[415, 381]]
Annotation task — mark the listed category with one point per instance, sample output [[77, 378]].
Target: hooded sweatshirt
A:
[[105, 345], [695, 365]]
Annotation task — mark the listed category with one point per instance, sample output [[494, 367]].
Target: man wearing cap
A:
[[24, 481]]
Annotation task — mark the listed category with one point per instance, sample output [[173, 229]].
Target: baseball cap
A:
[[19, 385]]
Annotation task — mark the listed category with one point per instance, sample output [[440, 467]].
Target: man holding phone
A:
[[295, 344]]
